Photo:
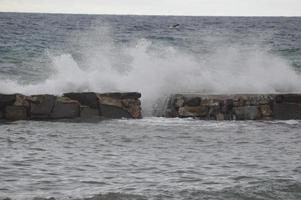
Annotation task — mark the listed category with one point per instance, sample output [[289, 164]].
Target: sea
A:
[[151, 158]]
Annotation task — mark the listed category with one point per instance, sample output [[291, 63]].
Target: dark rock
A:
[[124, 95], [195, 101], [65, 109], [14, 113], [41, 106], [7, 100], [286, 111], [288, 98], [85, 98], [88, 113], [113, 112]]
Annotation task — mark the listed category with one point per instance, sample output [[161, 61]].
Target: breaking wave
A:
[[103, 65]]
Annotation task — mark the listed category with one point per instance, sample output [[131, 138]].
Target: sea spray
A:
[[100, 64]]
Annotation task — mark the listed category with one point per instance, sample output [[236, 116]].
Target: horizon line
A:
[[162, 15]]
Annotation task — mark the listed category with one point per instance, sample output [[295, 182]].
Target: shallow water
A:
[[154, 158]]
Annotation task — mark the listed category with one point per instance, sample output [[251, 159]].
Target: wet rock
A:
[[229, 107], [179, 101], [219, 117], [86, 98], [113, 112], [115, 105], [287, 111], [124, 95], [266, 111], [7, 100], [194, 101], [193, 111], [41, 106], [288, 98], [1, 114], [65, 108], [247, 113], [87, 113], [14, 113]]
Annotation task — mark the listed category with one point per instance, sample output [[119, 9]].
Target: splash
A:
[[156, 70]]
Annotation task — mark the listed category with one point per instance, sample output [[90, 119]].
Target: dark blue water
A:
[[151, 158]]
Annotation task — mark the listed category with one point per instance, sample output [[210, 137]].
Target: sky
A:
[[158, 7]]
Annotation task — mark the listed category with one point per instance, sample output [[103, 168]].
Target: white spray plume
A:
[[154, 71]]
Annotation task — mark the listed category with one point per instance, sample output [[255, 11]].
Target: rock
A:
[[86, 98], [115, 106], [266, 111], [1, 114], [247, 113], [288, 98], [113, 112], [195, 101], [14, 113], [87, 113], [124, 95], [179, 101], [229, 107], [286, 111], [65, 109], [220, 117], [195, 111], [41, 106], [133, 106], [7, 100]]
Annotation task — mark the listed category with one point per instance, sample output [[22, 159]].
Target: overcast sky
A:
[[158, 7]]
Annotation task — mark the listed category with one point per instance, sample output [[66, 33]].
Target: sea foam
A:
[[155, 70]]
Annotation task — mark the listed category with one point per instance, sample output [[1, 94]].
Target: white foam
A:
[[157, 70]]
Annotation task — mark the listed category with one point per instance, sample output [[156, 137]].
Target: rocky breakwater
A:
[[83, 106], [231, 107]]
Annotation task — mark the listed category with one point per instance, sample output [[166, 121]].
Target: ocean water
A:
[[151, 158]]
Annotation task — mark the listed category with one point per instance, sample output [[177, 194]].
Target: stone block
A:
[[7, 100], [247, 113], [195, 111], [41, 106], [86, 98], [122, 95], [65, 109], [89, 113], [287, 111], [194, 101], [14, 113], [113, 112]]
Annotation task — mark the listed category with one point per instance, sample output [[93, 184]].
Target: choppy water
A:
[[152, 158]]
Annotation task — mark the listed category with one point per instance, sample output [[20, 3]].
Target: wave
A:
[[103, 65]]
